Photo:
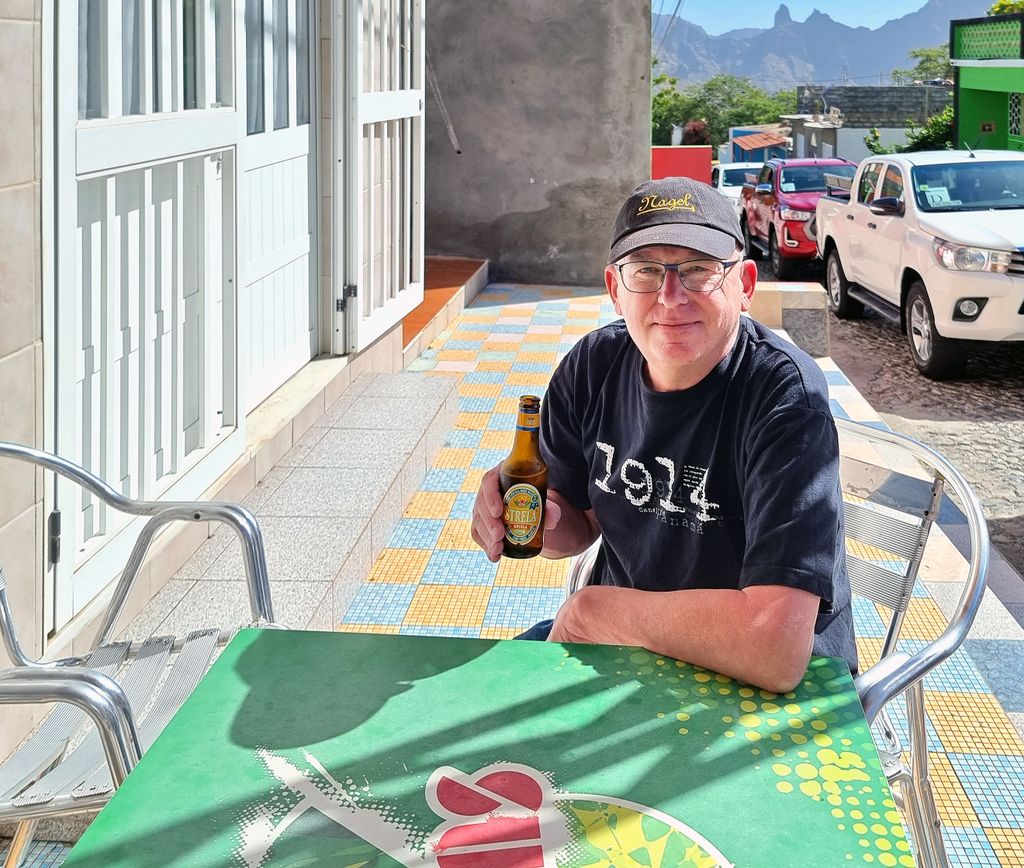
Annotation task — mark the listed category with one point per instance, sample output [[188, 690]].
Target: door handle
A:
[[849, 216], [872, 226]]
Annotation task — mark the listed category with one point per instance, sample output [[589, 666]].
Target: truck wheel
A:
[[839, 301], [749, 250], [782, 267], [936, 357]]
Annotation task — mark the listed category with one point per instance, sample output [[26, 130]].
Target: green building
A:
[[988, 56]]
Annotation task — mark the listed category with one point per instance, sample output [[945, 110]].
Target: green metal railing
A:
[[987, 38]]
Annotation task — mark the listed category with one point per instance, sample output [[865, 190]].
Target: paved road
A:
[[977, 422]]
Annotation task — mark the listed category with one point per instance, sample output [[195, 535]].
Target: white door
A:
[[141, 365], [383, 184], [277, 298]]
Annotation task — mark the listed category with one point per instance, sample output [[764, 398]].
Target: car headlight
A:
[[792, 214], [958, 257]]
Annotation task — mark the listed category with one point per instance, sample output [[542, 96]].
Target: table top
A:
[[302, 748]]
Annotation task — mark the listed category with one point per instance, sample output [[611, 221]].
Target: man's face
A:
[[682, 334]]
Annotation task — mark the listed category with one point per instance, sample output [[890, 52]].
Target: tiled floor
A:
[[432, 580]]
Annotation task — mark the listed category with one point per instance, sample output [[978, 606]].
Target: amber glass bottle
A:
[[524, 485]]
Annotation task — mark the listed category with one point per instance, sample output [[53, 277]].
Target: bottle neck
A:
[[527, 430]]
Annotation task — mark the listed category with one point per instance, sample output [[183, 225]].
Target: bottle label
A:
[[528, 421], [523, 513]]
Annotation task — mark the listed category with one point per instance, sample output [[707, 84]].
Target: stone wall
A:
[[549, 110], [21, 359], [875, 106]]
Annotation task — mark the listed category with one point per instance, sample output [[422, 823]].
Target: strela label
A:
[[523, 513]]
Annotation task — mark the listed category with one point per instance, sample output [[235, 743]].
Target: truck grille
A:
[[1016, 263]]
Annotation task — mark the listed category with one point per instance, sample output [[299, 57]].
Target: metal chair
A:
[[893, 488], [118, 718]]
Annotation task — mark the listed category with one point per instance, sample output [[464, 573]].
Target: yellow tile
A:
[[507, 405], [472, 421], [497, 440], [869, 649], [537, 338], [568, 329], [1008, 845], [579, 311], [557, 292], [955, 808], [448, 605], [867, 552], [527, 378], [399, 566], [471, 482], [923, 620], [494, 366], [497, 347], [430, 504], [471, 332], [390, 629], [456, 356], [534, 356], [479, 390], [456, 534], [500, 632], [972, 723], [532, 573], [450, 457]]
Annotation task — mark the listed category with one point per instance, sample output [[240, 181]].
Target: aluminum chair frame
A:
[[898, 673], [85, 681]]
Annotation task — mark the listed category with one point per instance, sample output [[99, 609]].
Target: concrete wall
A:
[[875, 106], [850, 141], [550, 105], [21, 360]]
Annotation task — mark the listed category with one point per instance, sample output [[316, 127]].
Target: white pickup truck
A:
[[934, 241]]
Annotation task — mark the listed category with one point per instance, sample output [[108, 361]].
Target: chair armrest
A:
[[877, 685], [96, 694]]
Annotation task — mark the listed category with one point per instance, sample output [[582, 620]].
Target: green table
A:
[[367, 750]]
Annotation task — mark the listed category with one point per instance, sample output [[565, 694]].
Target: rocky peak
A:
[[782, 16]]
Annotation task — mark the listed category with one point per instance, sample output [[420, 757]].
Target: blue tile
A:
[[463, 506], [460, 438], [1001, 662], [477, 405], [485, 459], [502, 421], [837, 411], [443, 479], [995, 785], [450, 632], [501, 328], [866, 620], [969, 847], [836, 378], [462, 345], [416, 533], [897, 712], [489, 377], [522, 607], [957, 673], [422, 365], [454, 567], [495, 356], [379, 603], [532, 367]]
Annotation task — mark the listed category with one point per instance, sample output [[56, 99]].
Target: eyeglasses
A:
[[697, 275]]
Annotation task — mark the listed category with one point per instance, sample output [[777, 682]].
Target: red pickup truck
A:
[[778, 206]]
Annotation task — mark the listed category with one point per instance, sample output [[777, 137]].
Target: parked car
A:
[[934, 241], [777, 205], [729, 178]]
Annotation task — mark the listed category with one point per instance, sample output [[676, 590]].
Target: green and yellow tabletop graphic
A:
[[365, 751]]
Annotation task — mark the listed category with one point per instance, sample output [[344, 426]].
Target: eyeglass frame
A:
[[670, 266]]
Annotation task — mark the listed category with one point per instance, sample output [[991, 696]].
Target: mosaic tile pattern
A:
[[42, 854], [433, 580]]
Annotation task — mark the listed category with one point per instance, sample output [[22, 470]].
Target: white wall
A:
[[850, 141]]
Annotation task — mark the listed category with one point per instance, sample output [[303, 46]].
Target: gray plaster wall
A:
[[550, 106], [864, 106]]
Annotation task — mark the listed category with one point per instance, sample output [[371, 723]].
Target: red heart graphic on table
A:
[[507, 799]]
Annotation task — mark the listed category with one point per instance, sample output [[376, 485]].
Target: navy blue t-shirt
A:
[[730, 483]]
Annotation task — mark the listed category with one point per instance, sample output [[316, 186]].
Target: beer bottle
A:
[[523, 478]]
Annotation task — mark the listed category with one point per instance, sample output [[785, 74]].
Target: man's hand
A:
[[488, 529]]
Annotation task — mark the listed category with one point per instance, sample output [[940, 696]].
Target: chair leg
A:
[[20, 843], [922, 784]]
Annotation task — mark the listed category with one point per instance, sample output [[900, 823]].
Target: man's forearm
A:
[[573, 534], [722, 630]]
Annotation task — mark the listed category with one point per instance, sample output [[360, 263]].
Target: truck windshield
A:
[[810, 179], [735, 177], [969, 186]]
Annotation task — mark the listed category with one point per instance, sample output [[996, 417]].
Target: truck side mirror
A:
[[888, 206], [763, 188]]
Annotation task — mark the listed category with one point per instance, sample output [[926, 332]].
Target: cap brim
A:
[[703, 239]]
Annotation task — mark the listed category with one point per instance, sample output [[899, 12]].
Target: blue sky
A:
[[717, 17]]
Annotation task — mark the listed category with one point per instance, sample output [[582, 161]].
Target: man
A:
[[701, 448]]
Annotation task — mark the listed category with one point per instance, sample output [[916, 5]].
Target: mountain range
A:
[[819, 50]]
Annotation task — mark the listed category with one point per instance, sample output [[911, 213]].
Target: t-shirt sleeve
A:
[[561, 438], [792, 505]]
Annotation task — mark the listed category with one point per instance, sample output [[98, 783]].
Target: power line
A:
[[668, 29]]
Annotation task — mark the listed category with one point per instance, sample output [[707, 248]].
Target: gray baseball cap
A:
[[680, 212]]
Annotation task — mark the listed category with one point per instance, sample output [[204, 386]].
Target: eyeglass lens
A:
[[697, 276]]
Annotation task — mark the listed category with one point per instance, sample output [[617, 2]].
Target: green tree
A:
[[1002, 7], [936, 134], [722, 101], [931, 63]]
